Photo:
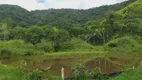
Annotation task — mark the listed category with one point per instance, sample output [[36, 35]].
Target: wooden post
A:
[[133, 67], [62, 73], [141, 63]]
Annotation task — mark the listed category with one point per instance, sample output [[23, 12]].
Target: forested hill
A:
[[14, 15], [118, 25]]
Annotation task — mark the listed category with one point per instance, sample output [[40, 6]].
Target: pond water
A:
[[55, 65]]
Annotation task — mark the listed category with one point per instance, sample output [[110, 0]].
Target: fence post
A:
[[62, 73]]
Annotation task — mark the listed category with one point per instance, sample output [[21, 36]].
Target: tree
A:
[[4, 32], [17, 32], [34, 34], [59, 36]]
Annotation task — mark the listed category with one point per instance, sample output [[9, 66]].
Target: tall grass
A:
[[132, 74], [8, 73], [124, 44], [17, 47]]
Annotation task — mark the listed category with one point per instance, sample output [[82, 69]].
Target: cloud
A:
[[46, 4], [96, 3], [64, 3], [79, 4], [27, 4], [121, 0]]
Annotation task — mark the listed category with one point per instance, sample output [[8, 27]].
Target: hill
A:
[[124, 22], [14, 15], [61, 29]]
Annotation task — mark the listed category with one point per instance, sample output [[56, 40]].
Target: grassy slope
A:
[[130, 75]]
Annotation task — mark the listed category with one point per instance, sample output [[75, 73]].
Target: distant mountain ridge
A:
[[16, 16]]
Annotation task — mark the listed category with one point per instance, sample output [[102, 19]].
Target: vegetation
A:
[[111, 33], [8, 73], [81, 74], [16, 16], [17, 47], [75, 32], [132, 74]]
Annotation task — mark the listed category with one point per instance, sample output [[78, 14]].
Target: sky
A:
[[58, 4]]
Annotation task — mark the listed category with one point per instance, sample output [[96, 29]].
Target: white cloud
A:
[[96, 3], [63, 3], [27, 4], [79, 4], [121, 0], [76, 4]]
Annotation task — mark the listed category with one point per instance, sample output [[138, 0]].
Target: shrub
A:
[[79, 72], [28, 53], [120, 42], [128, 43], [9, 73], [18, 47], [34, 75], [5, 53], [75, 43], [96, 74], [46, 46]]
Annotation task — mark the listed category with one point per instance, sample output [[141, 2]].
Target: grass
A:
[[132, 74], [9, 73], [18, 47], [126, 44], [76, 43], [126, 53]]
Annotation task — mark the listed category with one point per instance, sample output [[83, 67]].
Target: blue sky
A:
[[40, 1], [58, 4]]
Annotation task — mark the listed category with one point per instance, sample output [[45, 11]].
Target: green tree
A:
[[4, 32], [34, 34], [17, 32]]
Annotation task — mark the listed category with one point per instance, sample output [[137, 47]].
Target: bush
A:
[[96, 74], [18, 47], [28, 53], [46, 46], [75, 43], [79, 72], [5, 53], [120, 42], [34, 75], [128, 43], [8, 73]]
